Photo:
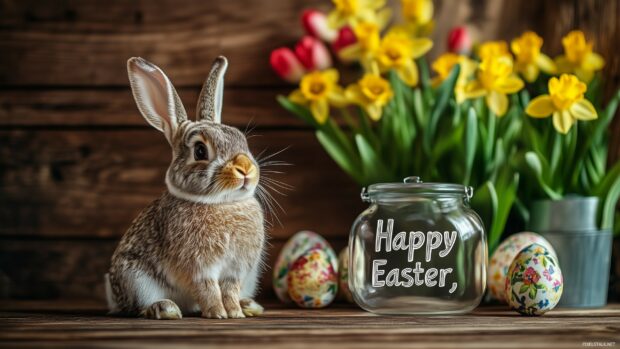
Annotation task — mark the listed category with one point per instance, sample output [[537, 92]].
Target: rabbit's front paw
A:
[[250, 307], [164, 309], [235, 313], [215, 312]]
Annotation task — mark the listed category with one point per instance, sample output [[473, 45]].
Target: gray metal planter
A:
[[584, 251]]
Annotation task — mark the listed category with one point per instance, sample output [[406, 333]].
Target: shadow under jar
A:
[[417, 249]]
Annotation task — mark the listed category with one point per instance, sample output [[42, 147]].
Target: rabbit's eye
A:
[[201, 152]]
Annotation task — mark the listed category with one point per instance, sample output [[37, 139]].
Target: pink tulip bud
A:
[[315, 23], [313, 54], [459, 41], [346, 37], [286, 65]]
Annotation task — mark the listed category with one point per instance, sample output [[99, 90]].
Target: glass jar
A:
[[417, 249]]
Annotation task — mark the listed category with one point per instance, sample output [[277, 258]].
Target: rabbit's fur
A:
[[199, 247]]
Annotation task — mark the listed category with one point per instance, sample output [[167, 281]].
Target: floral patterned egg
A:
[[534, 284], [312, 280], [503, 257], [343, 275], [295, 247]]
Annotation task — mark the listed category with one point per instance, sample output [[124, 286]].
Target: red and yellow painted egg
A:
[[312, 280]]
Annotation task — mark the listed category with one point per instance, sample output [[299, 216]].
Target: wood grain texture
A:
[[87, 43], [74, 269], [77, 162], [342, 326], [97, 107], [93, 183]]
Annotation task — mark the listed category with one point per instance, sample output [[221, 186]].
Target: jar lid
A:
[[414, 185]]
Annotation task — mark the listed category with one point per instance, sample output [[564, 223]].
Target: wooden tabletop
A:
[[80, 324]]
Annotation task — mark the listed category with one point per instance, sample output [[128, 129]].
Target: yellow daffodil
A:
[[494, 80], [368, 40], [397, 51], [493, 49], [530, 61], [372, 93], [444, 64], [565, 102], [351, 12], [318, 90], [578, 57], [418, 15]]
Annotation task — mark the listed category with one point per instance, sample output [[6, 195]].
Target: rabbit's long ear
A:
[[155, 96], [210, 100]]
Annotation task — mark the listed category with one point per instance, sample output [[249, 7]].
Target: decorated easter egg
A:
[[534, 284], [343, 275], [504, 255], [312, 280], [295, 247]]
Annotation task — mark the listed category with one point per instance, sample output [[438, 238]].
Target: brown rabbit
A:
[[199, 247]]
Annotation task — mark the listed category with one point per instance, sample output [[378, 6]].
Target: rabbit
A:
[[198, 247]]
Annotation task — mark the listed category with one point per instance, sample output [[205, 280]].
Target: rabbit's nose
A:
[[243, 167]]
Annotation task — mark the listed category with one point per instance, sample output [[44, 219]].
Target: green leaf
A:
[[373, 167], [506, 189], [333, 148], [609, 192], [596, 135], [523, 288], [534, 163], [485, 204], [533, 292], [302, 112], [419, 107], [471, 139], [444, 91]]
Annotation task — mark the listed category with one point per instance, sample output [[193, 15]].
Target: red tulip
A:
[[346, 37], [286, 65], [459, 41], [315, 23], [313, 54]]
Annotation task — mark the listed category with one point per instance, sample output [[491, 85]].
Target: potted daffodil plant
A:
[[504, 117]]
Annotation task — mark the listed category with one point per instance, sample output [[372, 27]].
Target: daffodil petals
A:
[[584, 74], [376, 4], [511, 84], [354, 94], [593, 61], [459, 92], [383, 17], [335, 20], [540, 107], [583, 110], [530, 72], [337, 98], [420, 46], [562, 121], [374, 111], [332, 75], [351, 53], [546, 64], [409, 73], [497, 102], [319, 110], [473, 89], [297, 97]]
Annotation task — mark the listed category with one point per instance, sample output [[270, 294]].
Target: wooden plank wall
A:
[[77, 162]]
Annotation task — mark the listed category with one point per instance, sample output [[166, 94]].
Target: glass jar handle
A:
[[412, 179], [469, 193]]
